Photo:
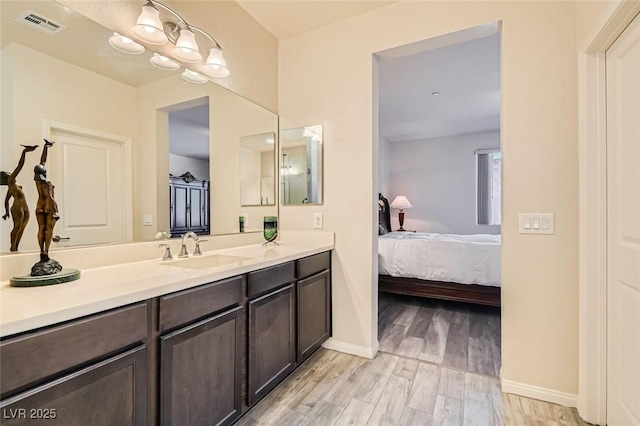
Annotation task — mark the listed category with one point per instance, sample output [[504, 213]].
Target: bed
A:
[[463, 268]]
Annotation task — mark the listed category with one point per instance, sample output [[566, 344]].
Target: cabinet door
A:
[[271, 341], [111, 392], [314, 313], [180, 209], [200, 372], [196, 210]]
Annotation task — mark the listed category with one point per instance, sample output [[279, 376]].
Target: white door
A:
[[623, 229], [89, 172]]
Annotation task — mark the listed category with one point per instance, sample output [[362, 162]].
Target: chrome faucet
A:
[[185, 237]]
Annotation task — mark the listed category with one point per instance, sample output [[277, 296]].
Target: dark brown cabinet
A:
[[201, 372], [185, 358], [314, 303], [314, 310], [189, 206], [111, 392], [271, 341]]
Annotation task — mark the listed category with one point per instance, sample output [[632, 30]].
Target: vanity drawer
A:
[[32, 357], [268, 279], [189, 305], [313, 264]]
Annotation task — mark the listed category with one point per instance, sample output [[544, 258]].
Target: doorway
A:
[[439, 139], [189, 168]]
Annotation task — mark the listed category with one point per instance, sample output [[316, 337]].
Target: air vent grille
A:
[[39, 22]]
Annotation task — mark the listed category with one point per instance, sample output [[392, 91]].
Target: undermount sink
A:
[[204, 262]]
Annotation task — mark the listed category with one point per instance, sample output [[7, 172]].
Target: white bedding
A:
[[463, 259]]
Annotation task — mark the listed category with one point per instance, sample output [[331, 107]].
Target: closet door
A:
[[623, 228]]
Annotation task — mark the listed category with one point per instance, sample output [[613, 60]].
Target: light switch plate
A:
[[536, 223], [317, 221], [147, 220]]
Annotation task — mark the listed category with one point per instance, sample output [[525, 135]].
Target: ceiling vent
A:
[[39, 22]]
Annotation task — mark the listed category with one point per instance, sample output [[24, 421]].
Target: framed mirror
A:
[[257, 169], [99, 104], [301, 165]]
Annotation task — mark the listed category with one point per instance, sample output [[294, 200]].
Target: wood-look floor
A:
[[458, 335], [407, 383]]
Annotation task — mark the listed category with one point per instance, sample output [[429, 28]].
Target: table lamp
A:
[[401, 202]]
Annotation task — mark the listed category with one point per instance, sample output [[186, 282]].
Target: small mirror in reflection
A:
[[257, 169], [301, 165]]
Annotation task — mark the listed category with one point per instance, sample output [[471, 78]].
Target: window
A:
[[489, 191]]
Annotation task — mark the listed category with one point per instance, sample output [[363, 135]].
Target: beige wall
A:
[[58, 91], [587, 14], [539, 140]]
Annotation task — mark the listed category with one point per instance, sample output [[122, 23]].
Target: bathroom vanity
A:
[[212, 337]]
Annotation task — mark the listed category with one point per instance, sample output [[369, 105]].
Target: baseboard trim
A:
[[349, 348], [537, 392]]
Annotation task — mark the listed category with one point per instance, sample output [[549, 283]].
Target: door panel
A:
[[90, 177], [623, 229], [200, 375], [271, 341]]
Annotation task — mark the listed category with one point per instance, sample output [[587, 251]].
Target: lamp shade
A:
[[163, 63], [148, 26], [125, 44], [401, 202], [186, 47], [216, 66], [193, 77]]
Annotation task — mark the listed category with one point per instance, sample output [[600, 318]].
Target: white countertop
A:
[[99, 289]]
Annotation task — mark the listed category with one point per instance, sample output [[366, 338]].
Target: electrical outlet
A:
[[147, 220], [317, 221]]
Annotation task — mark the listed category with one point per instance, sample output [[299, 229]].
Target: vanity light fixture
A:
[[194, 77], [125, 44], [187, 48], [152, 28], [216, 66], [163, 63], [148, 26]]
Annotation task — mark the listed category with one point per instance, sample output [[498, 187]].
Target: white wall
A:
[[58, 91], [384, 167], [438, 176], [179, 164], [540, 173]]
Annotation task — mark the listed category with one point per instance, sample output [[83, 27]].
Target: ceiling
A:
[[467, 77], [288, 18], [189, 132]]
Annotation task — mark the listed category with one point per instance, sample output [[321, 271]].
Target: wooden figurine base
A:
[[64, 276]]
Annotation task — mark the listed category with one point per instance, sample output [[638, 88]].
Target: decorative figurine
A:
[[47, 215], [19, 208], [270, 230]]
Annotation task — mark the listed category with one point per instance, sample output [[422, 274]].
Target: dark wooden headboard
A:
[[384, 215]]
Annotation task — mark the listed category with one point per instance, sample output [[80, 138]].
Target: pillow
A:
[[382, 229]]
